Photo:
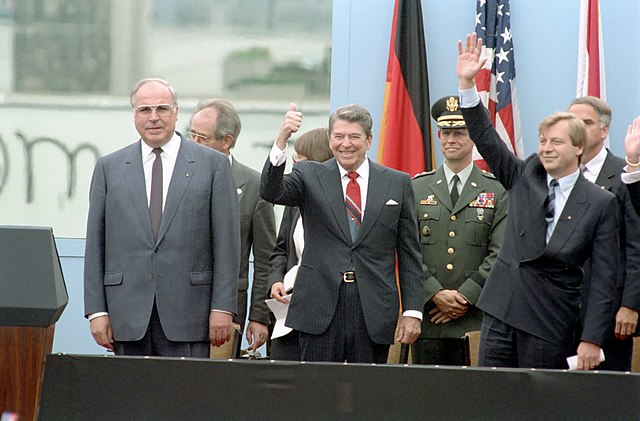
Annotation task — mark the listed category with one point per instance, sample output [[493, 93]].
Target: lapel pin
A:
[[439, 181], [239, 191], [187, 175], [569, 217], [473, 183]]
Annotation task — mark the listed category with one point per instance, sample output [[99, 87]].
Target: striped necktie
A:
[[550, 203], [353, 204]]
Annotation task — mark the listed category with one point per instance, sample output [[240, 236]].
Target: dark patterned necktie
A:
[[353, 204], [454, 190], [155, 201], [550, 203]]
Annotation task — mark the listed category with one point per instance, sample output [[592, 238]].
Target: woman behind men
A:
[[312, 146]]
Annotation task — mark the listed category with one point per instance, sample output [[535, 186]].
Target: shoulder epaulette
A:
[[424, 173], [488, 174]]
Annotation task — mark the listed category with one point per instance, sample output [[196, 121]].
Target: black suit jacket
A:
[[628, 282], [388, 228], [284, 256], [634, 195], [257, 234], [534, 286]]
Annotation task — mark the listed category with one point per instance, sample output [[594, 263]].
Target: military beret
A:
[[446, 112]]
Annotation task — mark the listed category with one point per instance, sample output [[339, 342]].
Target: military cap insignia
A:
[[452, 104], [484, 200]]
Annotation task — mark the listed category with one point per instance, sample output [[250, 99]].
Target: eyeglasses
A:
[[196, 137], [163, 110]]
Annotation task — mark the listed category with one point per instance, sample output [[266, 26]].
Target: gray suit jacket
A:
[[192, 267], [388, 227], [534, 286], [257, 231]]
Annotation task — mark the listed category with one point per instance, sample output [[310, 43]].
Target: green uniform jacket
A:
[[459, 245]]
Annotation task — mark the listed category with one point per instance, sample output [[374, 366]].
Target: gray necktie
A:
[[155, 202], [454, 190]]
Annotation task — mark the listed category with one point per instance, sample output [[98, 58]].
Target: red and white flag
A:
[[590, 52], [496, 81]]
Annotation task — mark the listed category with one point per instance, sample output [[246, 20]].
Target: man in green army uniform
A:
[[462, 212]]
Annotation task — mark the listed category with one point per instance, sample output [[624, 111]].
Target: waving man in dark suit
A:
[[358, 217], [557, 220]]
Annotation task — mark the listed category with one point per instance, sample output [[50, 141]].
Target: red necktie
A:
[[353, 204]]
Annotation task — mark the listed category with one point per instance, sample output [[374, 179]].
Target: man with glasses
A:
[[216, 124], [162, 249]]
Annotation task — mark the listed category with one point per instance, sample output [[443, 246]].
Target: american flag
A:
[[496, 81]]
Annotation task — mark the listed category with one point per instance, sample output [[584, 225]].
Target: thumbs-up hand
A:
[[290, 125]]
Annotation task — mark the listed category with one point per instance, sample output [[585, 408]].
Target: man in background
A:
[[603, 168], [216, 124], [462, 214]]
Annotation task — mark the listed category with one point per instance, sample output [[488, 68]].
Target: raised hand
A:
[[290, 125], [632, 145], [469, 61]]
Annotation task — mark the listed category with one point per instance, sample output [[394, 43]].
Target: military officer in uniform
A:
[[461, 213]]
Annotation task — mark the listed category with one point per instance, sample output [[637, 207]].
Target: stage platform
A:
[[129, 388]]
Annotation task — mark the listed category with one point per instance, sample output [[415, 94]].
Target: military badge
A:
[[484, 200], [430, 200]]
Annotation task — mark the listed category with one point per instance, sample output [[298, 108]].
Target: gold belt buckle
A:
[[349, 277]]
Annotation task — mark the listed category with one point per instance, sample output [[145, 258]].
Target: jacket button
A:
[[453, 217], [450, 250], [452, 234], [449, 266]]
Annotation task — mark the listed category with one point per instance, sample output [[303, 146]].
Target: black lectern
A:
[[32, 298]]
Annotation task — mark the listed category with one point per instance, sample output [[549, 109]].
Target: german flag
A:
[[405, 133]]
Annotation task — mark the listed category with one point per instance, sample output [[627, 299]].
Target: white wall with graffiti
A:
[[48, 152]]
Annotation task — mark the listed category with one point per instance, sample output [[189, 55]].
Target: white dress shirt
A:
[[592, 169], [169, 155]]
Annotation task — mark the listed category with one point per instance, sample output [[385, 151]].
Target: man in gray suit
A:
[[216, 124], [358, 216], [162, 249]]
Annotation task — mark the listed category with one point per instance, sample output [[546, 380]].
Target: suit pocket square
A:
[[391, 202]]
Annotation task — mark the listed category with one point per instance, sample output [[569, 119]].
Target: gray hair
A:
[[353, 113], [138, 85], [228, 121], [602, 109]]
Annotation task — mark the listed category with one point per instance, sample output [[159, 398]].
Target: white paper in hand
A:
[[280, 311], [573, 361], [290, 278]]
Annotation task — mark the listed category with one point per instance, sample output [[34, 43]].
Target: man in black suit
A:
[[603, 168], [557, 220], [216, 124], [358, 217]]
